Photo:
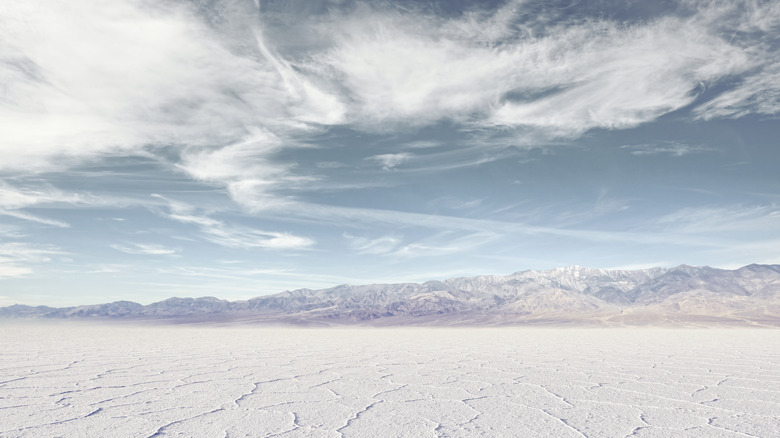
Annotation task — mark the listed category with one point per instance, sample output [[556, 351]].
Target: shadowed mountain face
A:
[[684, 294]]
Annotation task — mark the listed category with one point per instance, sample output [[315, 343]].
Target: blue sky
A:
[[238, 148]]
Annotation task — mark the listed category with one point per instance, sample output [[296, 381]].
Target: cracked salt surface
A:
[[131, 381]]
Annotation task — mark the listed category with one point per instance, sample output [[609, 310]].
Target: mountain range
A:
[[683, 295]]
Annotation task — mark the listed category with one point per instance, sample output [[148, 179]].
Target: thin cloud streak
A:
[[233, 236], [377, 246], [18, 259], [34, 218], [727, 220], [144, 249], [675, 149], [391, 161], [368, 216]]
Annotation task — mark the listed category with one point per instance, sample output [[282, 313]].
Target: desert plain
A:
[[131, 380]]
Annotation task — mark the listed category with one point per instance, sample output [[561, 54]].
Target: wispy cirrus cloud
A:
[[22, 194], [751, 26], [37, 193], [672, 148], [179, 81], [18, 259], [446, 243], [245, 237], [734, 218], [451, 242], [8, 270], [574, 77], [377, 246], [421, 144], [233, 236], [391, 161], [144, 249], [15, 198], [33, 218], [758, 93]]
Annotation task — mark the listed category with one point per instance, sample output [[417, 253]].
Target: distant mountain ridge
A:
[[571, 295]]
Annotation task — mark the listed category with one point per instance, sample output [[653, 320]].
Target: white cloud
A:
[[455, 203], [752, 26], [378, 246], [17, 259], [25, 252], [244, 237], [673, 148], [15, 198], [234, 236], [758, 93], [329, 165], [245, 169], [11, 231], [399, 70], [106, 269], [238, 161], [578, 76], [11, 271], [422, 144], [93, 78], [144, 249], [441, 243], [486, 27], [447, 243], [726, 220], [607, 76], [25, 194], [33, 218], [295, 210], [391, 161]]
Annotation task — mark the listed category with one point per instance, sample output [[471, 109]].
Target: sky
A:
[[236, 148]]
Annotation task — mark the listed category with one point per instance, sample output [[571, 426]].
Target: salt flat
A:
[[123, 380]]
